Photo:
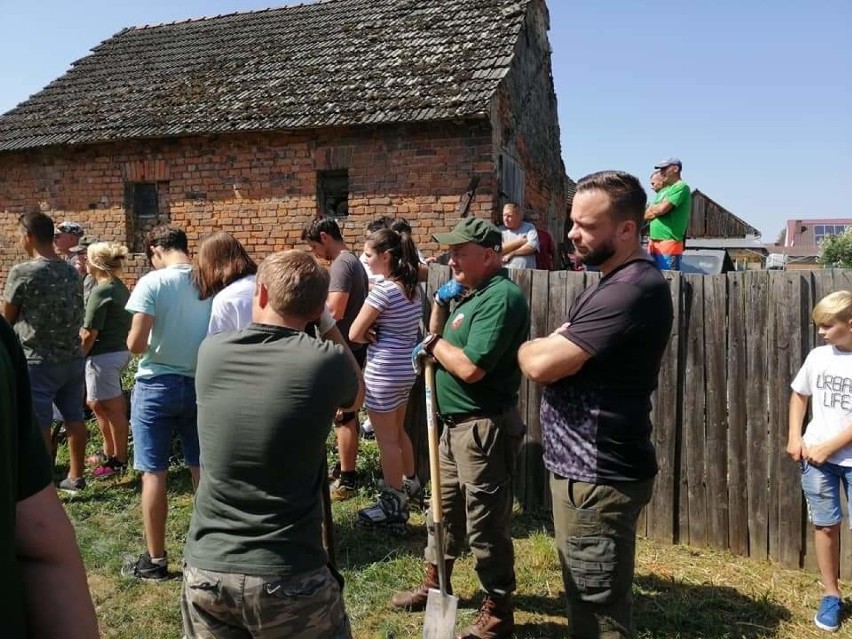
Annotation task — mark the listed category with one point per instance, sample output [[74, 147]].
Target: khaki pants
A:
[[595, 527], [477, 464], [219, 605]]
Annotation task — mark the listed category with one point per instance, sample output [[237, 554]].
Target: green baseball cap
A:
[[472, 229]]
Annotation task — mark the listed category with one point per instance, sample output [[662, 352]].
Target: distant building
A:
[[709, 219], [802, 239], [713, 228], [811, 233]]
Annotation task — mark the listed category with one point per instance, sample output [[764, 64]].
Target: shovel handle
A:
[[432, 431]]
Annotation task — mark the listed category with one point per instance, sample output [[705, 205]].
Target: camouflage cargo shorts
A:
[[235, 606]]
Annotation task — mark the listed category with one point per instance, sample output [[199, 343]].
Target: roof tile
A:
[[331, 63]]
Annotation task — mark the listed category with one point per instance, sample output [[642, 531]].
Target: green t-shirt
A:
[[266, 400], [105, 313], [25, 469], [50, 296], [673, 225], [489, 326]]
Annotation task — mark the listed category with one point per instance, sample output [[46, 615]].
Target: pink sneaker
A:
[[109, 468]]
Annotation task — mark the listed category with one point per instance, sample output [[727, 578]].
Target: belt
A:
[[461, 418]]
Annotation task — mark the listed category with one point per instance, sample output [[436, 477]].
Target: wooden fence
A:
[[720, 411]]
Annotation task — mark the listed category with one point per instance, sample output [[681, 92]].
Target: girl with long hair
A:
[[389, 321]]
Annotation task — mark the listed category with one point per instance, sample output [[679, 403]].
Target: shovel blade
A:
[[440, 622]]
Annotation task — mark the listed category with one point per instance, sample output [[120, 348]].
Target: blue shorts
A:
[[667, 262], [159, 407], [57, 383], [821, 485]]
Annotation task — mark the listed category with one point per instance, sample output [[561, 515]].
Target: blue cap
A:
[[669, 162]]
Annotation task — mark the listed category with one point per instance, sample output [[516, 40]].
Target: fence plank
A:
[[693, 412], [716, 410], [524, 475], [737, 445], [786, 533], [756, 426], [662, 510], [537, 490]]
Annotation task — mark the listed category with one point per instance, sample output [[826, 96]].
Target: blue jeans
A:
[[821, 486], [159, 407]]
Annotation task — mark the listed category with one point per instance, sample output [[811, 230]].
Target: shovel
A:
[[440, 622]]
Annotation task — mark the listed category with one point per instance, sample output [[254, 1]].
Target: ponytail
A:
[[404, 260]]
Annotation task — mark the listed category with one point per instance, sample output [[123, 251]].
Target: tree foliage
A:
[[836, 250]]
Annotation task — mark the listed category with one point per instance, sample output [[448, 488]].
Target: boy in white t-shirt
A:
[[825, 449]]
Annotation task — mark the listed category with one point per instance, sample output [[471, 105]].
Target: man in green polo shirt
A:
[[475, 347], [669, 216]]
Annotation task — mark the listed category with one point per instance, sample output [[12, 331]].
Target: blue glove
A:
[[422, 351], [448, 292]]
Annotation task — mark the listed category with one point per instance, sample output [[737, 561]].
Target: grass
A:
[[679, 592]]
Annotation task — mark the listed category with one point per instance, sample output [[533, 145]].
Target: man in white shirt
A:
[[520, 239]]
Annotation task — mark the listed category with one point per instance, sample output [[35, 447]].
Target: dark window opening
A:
[[145, 201], [145, 206], [333, 193]]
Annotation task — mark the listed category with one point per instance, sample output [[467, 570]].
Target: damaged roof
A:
[[326, 64]]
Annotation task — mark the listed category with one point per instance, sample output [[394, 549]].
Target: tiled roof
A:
[[331, 63]]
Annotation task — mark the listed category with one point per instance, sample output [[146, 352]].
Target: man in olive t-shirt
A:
[[256, 527], [669, 216]]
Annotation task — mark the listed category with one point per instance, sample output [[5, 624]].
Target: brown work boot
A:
[[495, 620], [415, 600]]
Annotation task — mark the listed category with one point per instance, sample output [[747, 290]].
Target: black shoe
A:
[[144, 568]]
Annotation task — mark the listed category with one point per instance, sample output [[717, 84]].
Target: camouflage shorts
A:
[[234, 606]]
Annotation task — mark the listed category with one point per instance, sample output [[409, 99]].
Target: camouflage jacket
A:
[[49, 294]]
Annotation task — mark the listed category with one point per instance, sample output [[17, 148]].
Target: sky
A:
[[754, 96]]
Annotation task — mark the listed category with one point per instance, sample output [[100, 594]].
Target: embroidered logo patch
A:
[[457, 321]]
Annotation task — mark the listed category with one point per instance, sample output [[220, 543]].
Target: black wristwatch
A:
[[429, 342]]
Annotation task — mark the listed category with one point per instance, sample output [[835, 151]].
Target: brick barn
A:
[[253, 123]]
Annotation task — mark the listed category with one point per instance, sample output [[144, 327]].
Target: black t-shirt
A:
[[25, 469], [596, 423]]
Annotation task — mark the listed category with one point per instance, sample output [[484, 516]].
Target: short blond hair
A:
[[107, 256], [834, 307], [297, 284]]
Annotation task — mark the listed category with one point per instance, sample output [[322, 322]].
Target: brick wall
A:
[[262, 188], [526, 124]]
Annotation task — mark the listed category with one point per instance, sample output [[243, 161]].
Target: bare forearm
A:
[[798, 406], [515, 244], [526, 249], [58, 603], [438, 318], [88, 340], [657, 210], [456, 363]]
